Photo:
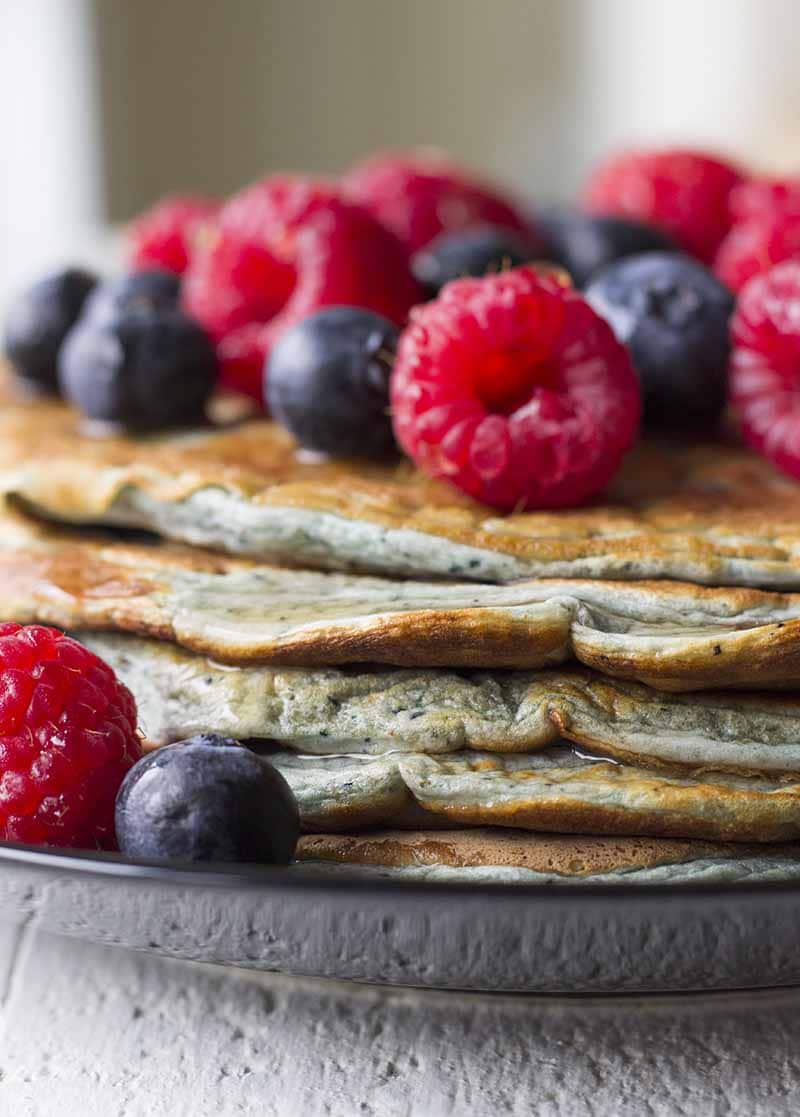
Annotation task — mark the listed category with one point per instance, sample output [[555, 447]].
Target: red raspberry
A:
[[765, 364], [754, 246], [233, 281], [284, 248], [67, 738], [420, 194], [242, 356], [513, 389], [164, 236], [684, 193], [763, 197]]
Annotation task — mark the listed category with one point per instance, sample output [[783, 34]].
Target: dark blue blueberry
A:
[[583, 245], [38, 321], [141, 371], [143, 291], [327, 381], [475, 252], [673, 315], [207, 799]]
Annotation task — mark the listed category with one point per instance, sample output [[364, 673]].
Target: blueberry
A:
[[207, 799], [583, 245], [39, 320], [327, 381], [673, 314], [476, 252], [142, 371], [144, 291]]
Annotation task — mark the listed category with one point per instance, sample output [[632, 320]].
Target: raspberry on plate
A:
[[763, 197], [420, 194], [754, 246], [765, 365], [67, 738], [683, 192], [514, 390], [164, 235], [284, 248]]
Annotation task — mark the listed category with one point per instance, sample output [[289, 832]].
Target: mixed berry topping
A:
[[207, 799], [67, 738], [685, 193], [584, 244], [39, 320], [673, 316], [165, 235], [473, 252], [765, 365], [328, 382], [283, 249], [514, 390], [420, 194]]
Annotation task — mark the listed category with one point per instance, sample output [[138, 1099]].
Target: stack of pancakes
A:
[[605, 693]]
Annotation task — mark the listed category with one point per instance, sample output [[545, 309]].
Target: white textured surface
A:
[[101, 1030]]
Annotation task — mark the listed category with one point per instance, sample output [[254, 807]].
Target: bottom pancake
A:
[[555, 790], [508, 856]]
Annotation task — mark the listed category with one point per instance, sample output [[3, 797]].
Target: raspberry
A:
[[754, 246], [233, 281], [514, 390], [682, 192], [762, 197], [164, 236], [67, 738], [242, 356], [420, 194], [284, 248], [765, 365]]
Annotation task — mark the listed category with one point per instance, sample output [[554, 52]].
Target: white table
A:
[[99, 1030]]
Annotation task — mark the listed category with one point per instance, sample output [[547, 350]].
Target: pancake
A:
[[672, 636], [362, 711], [553, 790], [713, 514], [506, 856]]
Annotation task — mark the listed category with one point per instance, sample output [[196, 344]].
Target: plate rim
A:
[[220, 875]]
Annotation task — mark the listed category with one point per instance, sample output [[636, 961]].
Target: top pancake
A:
[[710, 514]]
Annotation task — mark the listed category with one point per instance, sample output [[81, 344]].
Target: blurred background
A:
[[107, 104]]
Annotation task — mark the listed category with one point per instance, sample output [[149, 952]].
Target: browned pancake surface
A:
[[713, 513]]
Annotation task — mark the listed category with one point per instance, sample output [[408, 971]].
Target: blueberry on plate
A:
[[38, 321], [207, 799], [327, 381], [583, 244], [472, 252], [139, 370], [145, 291], [673, 315]]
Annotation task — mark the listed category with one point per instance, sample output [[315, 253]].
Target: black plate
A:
[[492, 937]]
